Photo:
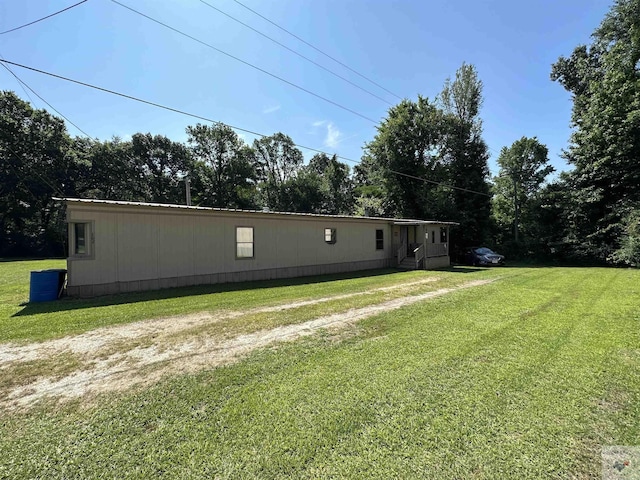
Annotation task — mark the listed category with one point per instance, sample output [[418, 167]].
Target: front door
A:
[[404, 237], [411, 240]]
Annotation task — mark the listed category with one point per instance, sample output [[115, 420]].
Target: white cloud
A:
[[272, 109], [334, 136], [319, 123]]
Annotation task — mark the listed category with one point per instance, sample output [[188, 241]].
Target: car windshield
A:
[[485, 251]]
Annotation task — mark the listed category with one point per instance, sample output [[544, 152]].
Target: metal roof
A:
[[395, 221]]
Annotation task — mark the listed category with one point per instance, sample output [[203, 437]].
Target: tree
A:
[[523, 169], [162, 163], [406, 149], [224, 174], [465, 155], [369, 191], [462, 98], [336, 185], [302, 193], [278, 162], [629, 251], [604, 79], [35, 165], [114, 172]]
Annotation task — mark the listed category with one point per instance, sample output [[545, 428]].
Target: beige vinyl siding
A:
[[137, 244], [141, 243]]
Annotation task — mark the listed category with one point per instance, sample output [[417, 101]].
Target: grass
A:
[[26, 372], [526, 377], [20, 321]]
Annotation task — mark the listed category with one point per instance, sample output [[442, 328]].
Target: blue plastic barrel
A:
[[46, 285]]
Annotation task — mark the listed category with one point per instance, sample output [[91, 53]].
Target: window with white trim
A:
[[330, 235], [244, 242], [80, 239]]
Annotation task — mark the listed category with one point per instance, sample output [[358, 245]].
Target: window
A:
[[244, 242], [379, 239], [433, 236], [443, 235], [80, 233], [80, 239], [330, 235]]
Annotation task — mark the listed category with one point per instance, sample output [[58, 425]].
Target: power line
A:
[[317, 49], [440, 183], [19, 83], [206, 119], [297, 53], [43, 18], [24, 84], [130, 97], [245, 62], [33, 170]]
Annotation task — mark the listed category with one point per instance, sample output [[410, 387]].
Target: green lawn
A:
[[527, 377], [20, 321]]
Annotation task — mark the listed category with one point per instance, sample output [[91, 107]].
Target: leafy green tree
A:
[[336, 185], [36, 164], [629, 251], [369, 191], [114, 172], [224, 174], [302, 193], [604, 79], [162, 163], [549, 213], [523, 169], [278, 162], [465, 155], [406, 149]]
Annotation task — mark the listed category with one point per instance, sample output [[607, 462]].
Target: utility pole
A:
[[187, 184]]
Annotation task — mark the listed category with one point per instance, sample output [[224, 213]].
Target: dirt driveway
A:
[[120, 357]]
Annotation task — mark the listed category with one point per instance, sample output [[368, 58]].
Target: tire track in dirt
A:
[[147, 365], [89, 342]]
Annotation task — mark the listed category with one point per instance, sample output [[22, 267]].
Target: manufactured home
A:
[[125, 246]]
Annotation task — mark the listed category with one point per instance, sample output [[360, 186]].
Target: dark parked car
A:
[[483, 256]]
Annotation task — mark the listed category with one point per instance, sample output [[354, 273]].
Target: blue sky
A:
[[408, 47]]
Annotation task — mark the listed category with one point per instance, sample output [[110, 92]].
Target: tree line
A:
[[428, 160], [41, 161]]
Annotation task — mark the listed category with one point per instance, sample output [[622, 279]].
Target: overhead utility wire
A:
[[317, 49], [24, 84], [26, 92], [297, 53], [245, 62], [43, 18], [440, 183], [33, 170], [206, 119]]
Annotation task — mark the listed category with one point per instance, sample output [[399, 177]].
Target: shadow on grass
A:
[[462, 269], [68, 303], [29, 259]]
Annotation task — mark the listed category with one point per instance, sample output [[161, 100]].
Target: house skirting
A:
[[229, 277], [437, 262]]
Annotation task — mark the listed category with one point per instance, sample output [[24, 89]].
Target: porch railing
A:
[[418, 254], [436, 249], [402, 253]]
